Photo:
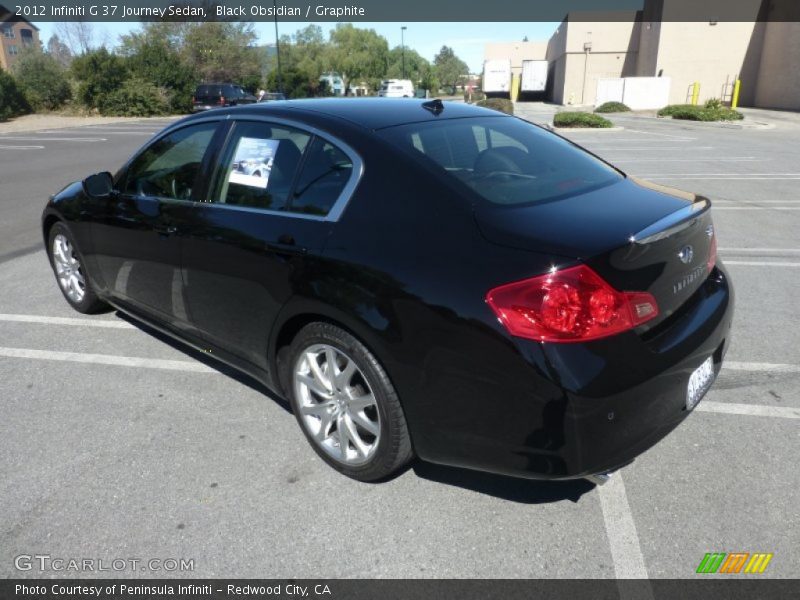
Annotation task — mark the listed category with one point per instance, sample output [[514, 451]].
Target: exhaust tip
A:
[[599, 478]]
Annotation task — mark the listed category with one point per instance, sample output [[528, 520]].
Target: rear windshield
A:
[[506, 161], [208, 90]]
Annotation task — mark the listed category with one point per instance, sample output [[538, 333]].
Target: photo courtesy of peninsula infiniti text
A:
[[419, 280]]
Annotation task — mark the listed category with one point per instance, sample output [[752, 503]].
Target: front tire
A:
[[70, 271], [346, 404]]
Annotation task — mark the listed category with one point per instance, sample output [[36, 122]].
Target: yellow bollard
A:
[[514, 87], [735, 100], [695, 92]]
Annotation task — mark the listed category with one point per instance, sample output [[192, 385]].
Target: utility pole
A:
[[278, 48], [403, 46]]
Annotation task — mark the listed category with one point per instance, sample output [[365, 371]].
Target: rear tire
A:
[[70, 271], [345, 403]]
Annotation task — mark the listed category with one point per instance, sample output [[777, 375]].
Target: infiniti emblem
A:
[[686, 254]]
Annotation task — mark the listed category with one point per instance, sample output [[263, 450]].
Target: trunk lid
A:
[[637, 235]]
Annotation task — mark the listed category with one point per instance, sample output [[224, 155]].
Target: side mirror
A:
[[99, 185]]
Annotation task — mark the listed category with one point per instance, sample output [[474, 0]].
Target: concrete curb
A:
[[749, 124], [552, 127]]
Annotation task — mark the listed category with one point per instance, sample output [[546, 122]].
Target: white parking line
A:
[[22, 147], [691, 160], [66, 321], [728, 178], [605, 147], [761, 250], [740, 202], [677, 138], [759, 366], [623, 539], [52, 139], [756, 207], [753, 263], [753, 410], [107, 359]]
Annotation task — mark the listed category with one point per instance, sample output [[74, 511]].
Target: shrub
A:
[[12, 100], [100, 73], [477, 96], [612, 107], [668, 110], [43, 80], [501, 104], [580, 119], [136, 98], [714, 103], [689, 112]]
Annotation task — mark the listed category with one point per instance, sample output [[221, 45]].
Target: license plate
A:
[[699, 382]]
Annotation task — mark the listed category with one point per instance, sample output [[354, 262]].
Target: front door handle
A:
[[286, 243]]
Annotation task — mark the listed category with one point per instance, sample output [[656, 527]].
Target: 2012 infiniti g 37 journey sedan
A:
[[417, 278]]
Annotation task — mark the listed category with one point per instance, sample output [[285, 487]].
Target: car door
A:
[[276, 192], [137, 235]]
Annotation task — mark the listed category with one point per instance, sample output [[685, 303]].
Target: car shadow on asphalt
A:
[[513, 489], [213, 363]]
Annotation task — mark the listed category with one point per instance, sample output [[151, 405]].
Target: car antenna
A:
[[436, 106]]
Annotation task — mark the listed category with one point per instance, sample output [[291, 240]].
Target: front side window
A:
[[506, 161], [280, 168], [169, 167], [259, 165]]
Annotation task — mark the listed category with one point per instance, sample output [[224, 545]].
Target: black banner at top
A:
[[406, 11]]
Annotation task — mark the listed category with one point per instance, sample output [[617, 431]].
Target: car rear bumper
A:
[[590, 408]]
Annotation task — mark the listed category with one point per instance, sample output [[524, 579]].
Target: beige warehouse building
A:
[[588, 47]]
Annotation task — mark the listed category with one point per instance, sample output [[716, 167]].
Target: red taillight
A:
[[573, 305], [712, 252], [222, 100]]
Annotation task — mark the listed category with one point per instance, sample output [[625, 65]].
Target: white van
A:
[[396, 88]]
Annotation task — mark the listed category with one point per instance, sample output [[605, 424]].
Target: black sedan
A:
[[417, 278]]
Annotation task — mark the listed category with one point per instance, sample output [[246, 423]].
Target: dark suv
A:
[[215, 95]]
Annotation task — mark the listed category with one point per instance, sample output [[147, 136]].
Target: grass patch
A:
[[690, 112], [580, 119], [502, 104], [612, 107]]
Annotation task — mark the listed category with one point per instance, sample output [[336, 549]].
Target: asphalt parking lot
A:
[[115, 443]]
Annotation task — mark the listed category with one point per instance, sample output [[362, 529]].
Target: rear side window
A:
[[504, 160], [169, 167], [326, 171]]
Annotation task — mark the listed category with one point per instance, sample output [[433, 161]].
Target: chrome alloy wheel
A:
[[337, 406], [68, 269]]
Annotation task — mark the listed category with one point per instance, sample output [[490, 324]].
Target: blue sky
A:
[[467, 39]]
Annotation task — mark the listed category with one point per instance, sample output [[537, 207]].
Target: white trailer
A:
[[534, 76], [497, 76]]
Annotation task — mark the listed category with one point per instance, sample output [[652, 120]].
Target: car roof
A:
[[372, 113]]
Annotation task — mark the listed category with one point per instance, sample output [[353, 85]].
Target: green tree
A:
[[99, 73], [12, 100], [42, 79], [416, 65], [158, 62], [223, 51], [358, 54], [450, 70]]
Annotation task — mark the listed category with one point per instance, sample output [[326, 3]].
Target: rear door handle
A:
[[165, 229]]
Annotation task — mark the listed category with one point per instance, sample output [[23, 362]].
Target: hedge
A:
[[502, 104], [580, 119], [612, 107], [690, 112]]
